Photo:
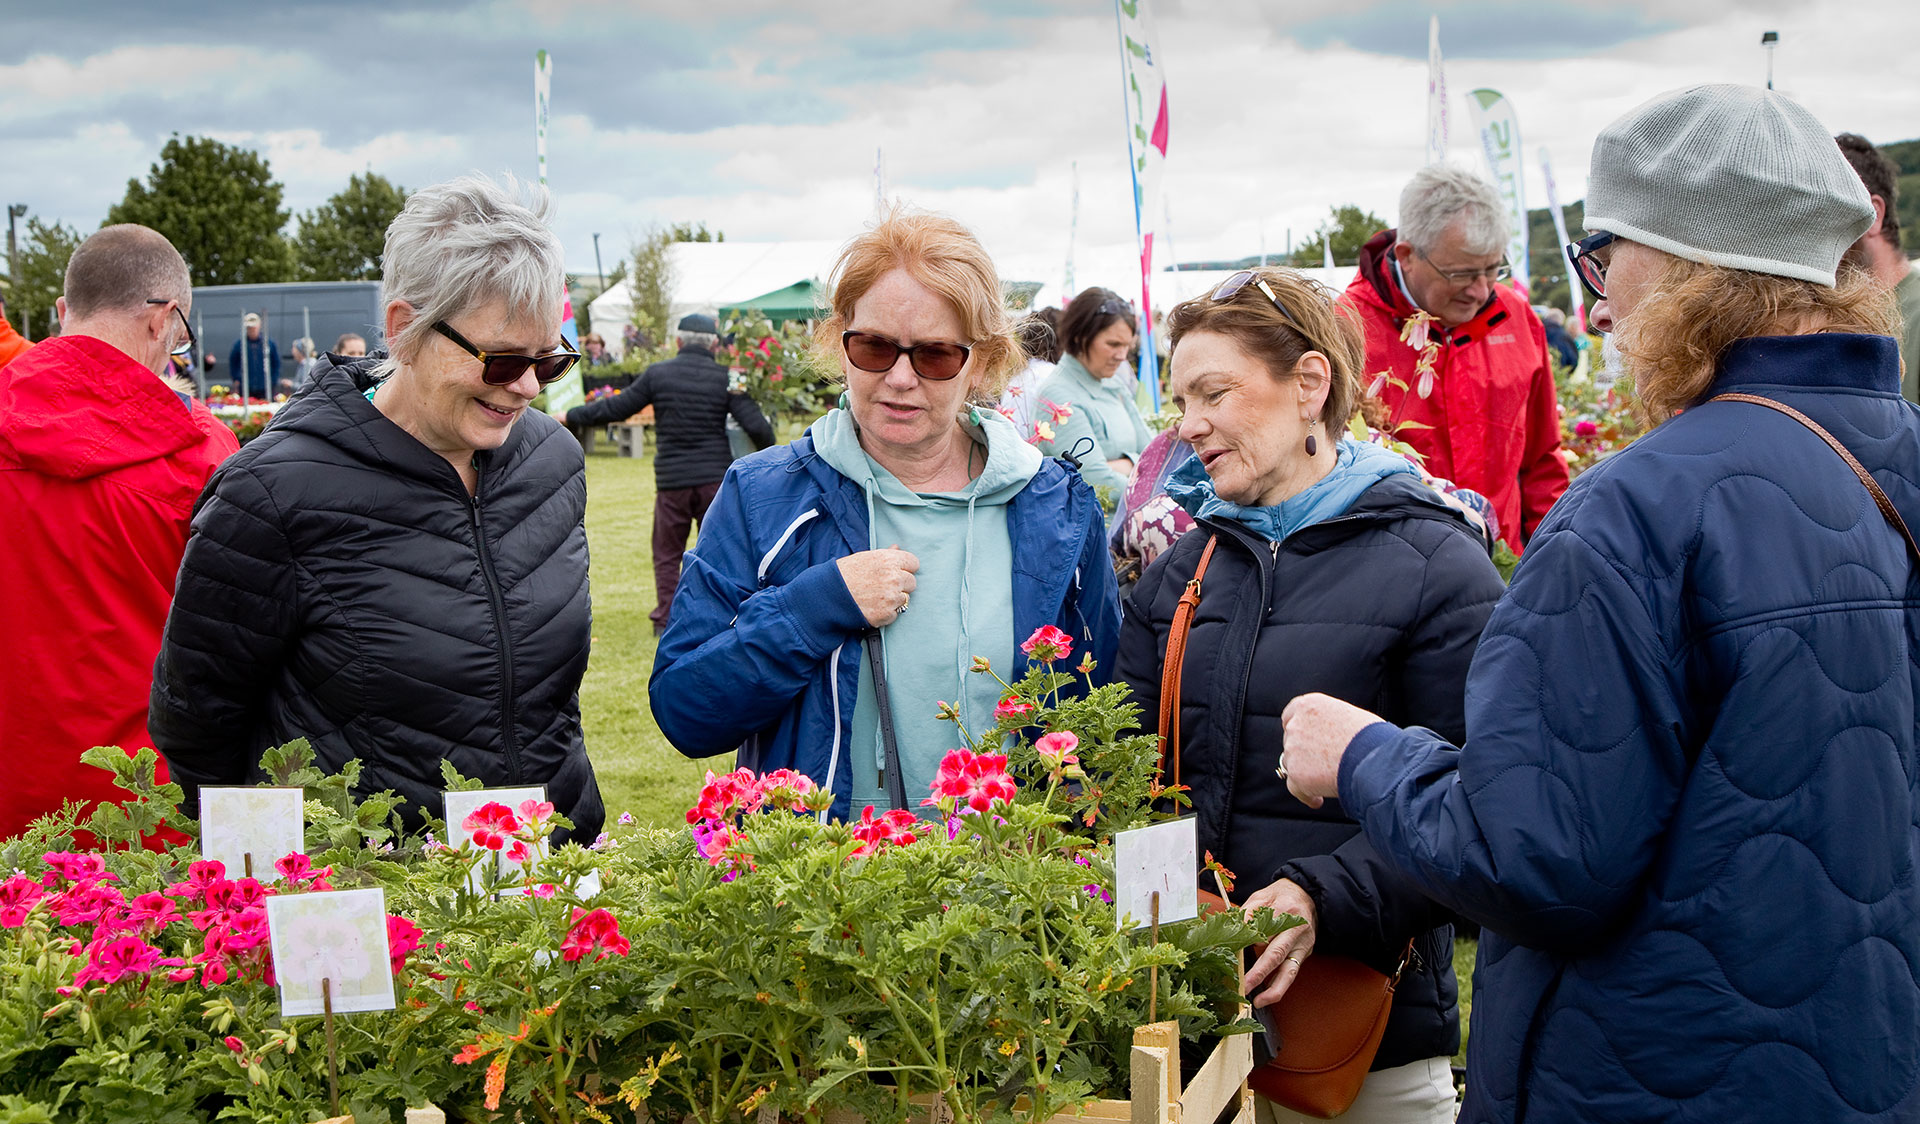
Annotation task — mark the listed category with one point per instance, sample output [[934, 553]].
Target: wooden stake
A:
[[1240, 958], [333, 1050], [246, 863], [1153, 970]]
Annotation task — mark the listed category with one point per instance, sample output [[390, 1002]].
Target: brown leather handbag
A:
[[1327, 1029]]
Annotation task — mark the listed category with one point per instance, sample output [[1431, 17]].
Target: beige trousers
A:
[[1417, 1093]]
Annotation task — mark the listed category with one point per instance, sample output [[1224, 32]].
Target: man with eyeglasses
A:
[[101, 461], [691, 403], [1459, 360]]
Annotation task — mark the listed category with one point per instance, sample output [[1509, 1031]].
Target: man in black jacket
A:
[[690, 403]]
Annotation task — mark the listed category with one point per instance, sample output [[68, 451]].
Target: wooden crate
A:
[[1155, 1095]]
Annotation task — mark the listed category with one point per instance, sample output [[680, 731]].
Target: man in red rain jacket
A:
[[1460, 357], [12, 344], [100, 464]]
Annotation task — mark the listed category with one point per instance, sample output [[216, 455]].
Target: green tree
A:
[[651, 281], [44, 251], [343, 238], [696, 232], [1348, 226], [220, 207]]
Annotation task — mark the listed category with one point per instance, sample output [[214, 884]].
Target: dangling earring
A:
[[1313, 446]]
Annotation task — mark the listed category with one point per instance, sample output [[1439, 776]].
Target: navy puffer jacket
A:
[[1382, 607], [1687, 812], [340, 585]]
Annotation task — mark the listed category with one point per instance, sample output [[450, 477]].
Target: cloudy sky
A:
[[761, 118]]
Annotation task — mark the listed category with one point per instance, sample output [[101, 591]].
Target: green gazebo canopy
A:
[[801, 300]]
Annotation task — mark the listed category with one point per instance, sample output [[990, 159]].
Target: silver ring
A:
[[1280, 767], [1294, 960], [904, 599]]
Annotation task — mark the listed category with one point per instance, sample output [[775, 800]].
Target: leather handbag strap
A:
[[1176, 656], [889, 744], [1879, 497]]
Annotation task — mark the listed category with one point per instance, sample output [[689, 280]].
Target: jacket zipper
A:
[[508, 742]]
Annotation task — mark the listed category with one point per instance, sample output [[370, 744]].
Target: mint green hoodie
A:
[[962, 604]]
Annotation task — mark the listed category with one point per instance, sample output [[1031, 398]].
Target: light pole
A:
[[596, 263], [1769, 40], [14, 211]]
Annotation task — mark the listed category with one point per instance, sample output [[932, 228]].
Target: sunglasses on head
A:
[[932, 360], [500, 368], [1231, 287]]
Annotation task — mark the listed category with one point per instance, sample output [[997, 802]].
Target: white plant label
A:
[[460, 805], [268, 823], [339, 936], [1163, 859]]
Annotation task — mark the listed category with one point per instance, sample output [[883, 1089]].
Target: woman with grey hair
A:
[[396, 569]]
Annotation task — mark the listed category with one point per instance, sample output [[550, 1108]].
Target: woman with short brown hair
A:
[[1330, 566]]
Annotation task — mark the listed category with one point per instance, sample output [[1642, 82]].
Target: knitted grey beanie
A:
[[1729, 175]]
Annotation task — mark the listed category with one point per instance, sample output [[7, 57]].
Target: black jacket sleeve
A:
[[1367, 910], [637, 397], [234, 609], [747, 412]]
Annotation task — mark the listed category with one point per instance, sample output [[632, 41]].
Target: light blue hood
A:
[[1358, 466]]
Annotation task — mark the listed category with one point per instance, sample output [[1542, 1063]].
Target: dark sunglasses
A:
[[936, 361], [1591, 270], [185, 349], [500, 368]]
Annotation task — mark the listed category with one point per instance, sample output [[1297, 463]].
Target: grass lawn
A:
[[639, 772]]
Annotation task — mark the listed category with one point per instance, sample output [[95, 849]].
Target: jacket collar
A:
[[75, 407], [1819, 361], [334, 407], [1381, 278]]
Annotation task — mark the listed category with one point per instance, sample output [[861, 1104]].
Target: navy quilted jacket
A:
[[1686, 813]]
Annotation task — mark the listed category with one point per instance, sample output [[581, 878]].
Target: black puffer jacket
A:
[[1382, 607], [690, 403], [340, 585]]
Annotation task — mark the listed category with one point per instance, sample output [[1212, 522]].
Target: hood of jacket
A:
[[1358, 466], [75, 407], [1382, 281], [1011, 462]]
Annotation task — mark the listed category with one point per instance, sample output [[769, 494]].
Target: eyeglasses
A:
[[502, 368], [931, 360], [1462, 277], [1587, 266], [184, 349]]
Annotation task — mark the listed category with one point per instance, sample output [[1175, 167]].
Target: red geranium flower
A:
[[1012, 707], [18, 896], [403, 936], [893, 829]]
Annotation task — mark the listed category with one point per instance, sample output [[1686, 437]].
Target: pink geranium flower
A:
[[78, 867], [594, 932], [1057, 749], [1013, 706], [112, 959], [403, 936], [893, 829], [490, 825], [18, 896], [1048, 644], [974, 780], [201, 877]]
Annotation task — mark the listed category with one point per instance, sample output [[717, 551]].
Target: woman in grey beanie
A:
[[1686, 811]]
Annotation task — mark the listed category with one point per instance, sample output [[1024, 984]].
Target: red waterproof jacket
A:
[[100, 465], [1494, 413], [12, 344]]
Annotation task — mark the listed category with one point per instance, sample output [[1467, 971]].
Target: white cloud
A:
[[44, 85]]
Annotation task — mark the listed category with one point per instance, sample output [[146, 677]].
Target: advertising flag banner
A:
[[542, 90], [1436, 96], [1500, 140], [1144, 86], [1560, 230]]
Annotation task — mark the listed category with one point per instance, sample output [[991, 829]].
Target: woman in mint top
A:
[[1096, 332], [905, 534]]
